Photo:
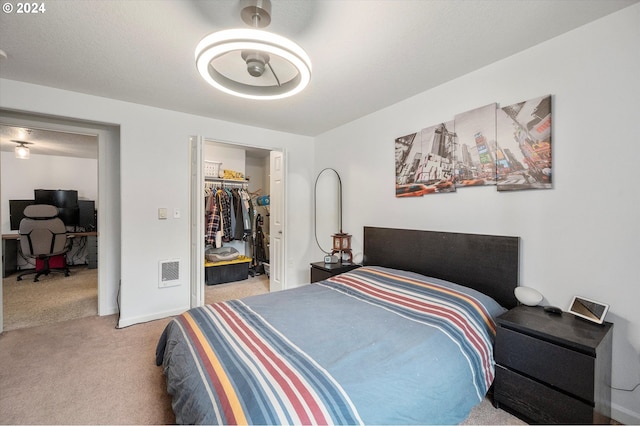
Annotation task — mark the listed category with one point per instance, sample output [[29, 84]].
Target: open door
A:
[[1, 290], [277, 220], [196, 221]]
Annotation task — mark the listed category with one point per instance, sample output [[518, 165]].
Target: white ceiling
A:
[[49, 142], [366, 54]]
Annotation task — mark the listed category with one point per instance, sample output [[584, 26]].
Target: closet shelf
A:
[[215, 179], [228, 183]]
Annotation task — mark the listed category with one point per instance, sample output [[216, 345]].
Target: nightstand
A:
[[321, 271], [552, 368]]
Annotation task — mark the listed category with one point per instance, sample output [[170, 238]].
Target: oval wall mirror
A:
[[327, 208]]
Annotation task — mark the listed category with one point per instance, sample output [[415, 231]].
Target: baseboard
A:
[[110, 310], [624, 415], [126, 322]]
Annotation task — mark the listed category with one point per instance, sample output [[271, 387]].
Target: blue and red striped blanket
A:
[[372, 346]]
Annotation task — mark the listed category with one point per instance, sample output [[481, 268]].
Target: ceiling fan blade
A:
[[274, 74]]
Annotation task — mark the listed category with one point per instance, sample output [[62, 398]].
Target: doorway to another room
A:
[[50, 176], [68, 155]]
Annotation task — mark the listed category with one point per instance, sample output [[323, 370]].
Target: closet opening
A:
[[237, 224]]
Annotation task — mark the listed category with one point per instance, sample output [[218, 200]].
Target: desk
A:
[[11, 245]]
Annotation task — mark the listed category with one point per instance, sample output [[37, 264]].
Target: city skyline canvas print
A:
[[475, 148], [507, 147], [524, 145], [424, 161]]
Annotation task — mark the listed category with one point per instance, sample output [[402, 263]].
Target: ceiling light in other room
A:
[[252, 63], [22, 151]]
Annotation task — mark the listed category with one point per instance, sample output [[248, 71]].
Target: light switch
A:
[[176, 213], [162, 213]]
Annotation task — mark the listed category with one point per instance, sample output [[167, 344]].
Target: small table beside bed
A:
[[405, 339]]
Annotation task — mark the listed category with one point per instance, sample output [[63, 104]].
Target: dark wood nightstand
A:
[[553, 368], [321, 271]]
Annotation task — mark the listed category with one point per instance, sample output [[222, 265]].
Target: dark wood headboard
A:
[[487, 263]]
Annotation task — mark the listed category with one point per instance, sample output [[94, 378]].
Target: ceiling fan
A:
[[253, 63]]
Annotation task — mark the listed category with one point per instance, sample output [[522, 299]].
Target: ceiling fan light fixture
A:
[[250, 40], [256, 48]]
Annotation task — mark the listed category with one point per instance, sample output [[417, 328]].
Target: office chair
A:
[[43, 236]]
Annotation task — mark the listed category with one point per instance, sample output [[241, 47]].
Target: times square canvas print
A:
[[475, 147], [424, 161], [524, 145], [507, 147]]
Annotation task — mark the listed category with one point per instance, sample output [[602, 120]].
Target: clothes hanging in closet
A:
[[227, 211], [212, 219], [243, 217]]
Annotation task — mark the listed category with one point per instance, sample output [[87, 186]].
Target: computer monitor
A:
[[16, 212], [87, 218], [65, 200]]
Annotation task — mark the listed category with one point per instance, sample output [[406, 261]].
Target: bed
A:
[[405, 339]]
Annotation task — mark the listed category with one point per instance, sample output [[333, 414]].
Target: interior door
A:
[[1, 285], [277, 220], [196, 221]]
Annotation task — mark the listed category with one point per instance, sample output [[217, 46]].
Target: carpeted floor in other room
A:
[[52, 299]]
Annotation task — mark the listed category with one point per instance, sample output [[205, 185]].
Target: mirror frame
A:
[[315, 205]]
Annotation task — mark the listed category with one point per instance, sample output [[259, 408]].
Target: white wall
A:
[[20, 177], [580, 238], [154, 172], [232, 158]]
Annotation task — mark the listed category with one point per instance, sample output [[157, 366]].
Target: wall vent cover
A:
[[169, 273]]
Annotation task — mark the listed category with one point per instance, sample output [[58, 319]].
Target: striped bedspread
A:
[[373, 345], [454, 313], [256, 374]]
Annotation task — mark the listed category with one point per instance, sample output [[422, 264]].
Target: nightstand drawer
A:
[[555, 365], [321, 271], [537, 401], [319, 275]]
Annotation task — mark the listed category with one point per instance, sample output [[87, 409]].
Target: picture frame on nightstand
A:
[[588, 309]]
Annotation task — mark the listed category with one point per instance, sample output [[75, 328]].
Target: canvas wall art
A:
[[508, 147], [475, 153], [524, 145], [424, 161]]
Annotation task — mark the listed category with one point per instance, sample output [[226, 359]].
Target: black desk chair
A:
[[42, 237]]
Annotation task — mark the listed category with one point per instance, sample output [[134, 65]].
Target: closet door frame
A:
[[197, 217], [196, 220]]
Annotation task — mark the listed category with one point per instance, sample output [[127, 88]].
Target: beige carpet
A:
[[237, 290], [52, 299], [55, 298], [85, 371]]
